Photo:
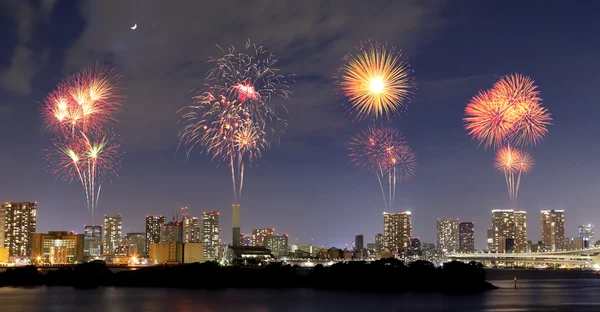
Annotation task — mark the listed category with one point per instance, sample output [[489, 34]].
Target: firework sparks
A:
[[513, 163], [376, 81], [231, 120], [87, 160], [384, 152], [509, 113], [86, 101]]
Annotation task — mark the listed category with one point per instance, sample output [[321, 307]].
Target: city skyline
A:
[[305, 182]]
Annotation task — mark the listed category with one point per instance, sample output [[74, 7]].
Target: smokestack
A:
[[236, 234]]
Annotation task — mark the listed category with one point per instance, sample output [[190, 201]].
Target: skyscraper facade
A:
[[512, 225], [191, 230], [490, 240], [259, 235], [171, 232], [553, 229], [92, 241], [153, 224], [113, 226], [466, 237], [378, 242], [359, 242], [397, 229], [135, 244], [447, 235], [586, 233], [19, 226], [211, 234], [278, 244]]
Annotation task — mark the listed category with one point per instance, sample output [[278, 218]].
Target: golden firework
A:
[[376, 81]]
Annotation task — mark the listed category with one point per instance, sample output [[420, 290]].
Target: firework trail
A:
[[85, 159], [383, 151], [78, 113], [376, 81], [231, 121]]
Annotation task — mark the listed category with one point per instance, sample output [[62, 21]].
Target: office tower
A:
[[553, 229], [191, 230], [92, 241], [397, 228], [211, 235], [259, 235], [20, 224], [112, 234], [466, 237], [278, 244], [490, 240], [153, 224], [586, 233], [246, 240], [236, 234], [378, 242], [447, 235], [57, 247], [509, 224], [135, 244], [171, 232], [359, 242]]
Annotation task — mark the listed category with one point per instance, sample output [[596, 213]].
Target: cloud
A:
[[24, 62], [165, 57]]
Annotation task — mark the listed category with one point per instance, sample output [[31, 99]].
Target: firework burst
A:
[[231, 120], [86, 101], [509, 113], [383, 151], [87, 159], [376, 81]]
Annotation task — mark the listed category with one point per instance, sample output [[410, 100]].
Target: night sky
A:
[[305, 186]]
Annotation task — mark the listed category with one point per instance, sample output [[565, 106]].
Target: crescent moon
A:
[[134, 26]]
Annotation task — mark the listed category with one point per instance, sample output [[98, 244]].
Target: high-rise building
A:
[[92, 241], [359, 242], [57, 248], [586, 233], [553, 229], [113, 226], [447, 235], [466, 237], [508, 223], [153, 224], [171, 232], [490, 240], [191, 230], [235, 222], [135, 244], [259, 235], [397, 229], [211, 234], [19, 226], [415, 246], [246, 240], [378, 242], [278, 244]]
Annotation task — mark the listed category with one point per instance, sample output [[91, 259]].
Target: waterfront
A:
[[567, 294]]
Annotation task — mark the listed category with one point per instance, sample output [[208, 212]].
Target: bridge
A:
[[584, 257]]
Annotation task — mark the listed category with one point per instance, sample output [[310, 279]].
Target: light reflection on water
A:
[[531, 295]]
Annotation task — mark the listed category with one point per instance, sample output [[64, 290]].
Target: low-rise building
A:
[[164, 253], [57, 247], [193, 252]]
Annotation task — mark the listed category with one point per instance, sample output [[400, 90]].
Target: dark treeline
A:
[[386, 275]]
